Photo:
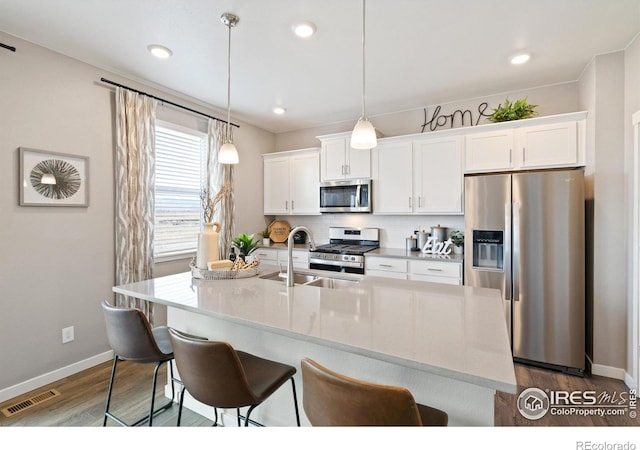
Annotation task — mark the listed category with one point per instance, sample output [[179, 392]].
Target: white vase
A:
[[266, 242], [208, 245], [458, 250]]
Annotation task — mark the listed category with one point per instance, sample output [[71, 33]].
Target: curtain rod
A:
[[104, 80], [8, 47]]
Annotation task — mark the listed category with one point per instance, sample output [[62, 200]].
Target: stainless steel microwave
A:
[[345, 196]]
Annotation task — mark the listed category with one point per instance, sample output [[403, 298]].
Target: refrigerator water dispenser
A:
[[488, 250]]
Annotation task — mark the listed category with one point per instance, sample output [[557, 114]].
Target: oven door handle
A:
[[358, 195], [355, 265]]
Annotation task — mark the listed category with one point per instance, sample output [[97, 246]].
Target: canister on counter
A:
[[439, 233]]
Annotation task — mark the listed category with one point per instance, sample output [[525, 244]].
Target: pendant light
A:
[[228, 153], [363, 135]]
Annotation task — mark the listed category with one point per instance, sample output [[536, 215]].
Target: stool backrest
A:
[[130, 334], [211, 371], [332, 399]]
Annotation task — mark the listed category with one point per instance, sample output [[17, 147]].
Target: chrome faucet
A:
[[312, 246]]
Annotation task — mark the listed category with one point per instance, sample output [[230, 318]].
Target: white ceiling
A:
[[418, 52]]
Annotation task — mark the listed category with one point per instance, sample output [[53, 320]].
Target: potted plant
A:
[[457, 239], [517, 110], [245, 244], [265, 237]]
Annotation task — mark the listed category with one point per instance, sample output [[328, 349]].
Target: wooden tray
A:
[[279, 230]]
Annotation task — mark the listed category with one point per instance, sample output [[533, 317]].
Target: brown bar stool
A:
[[217, 375], [132, 338], [331, 399]]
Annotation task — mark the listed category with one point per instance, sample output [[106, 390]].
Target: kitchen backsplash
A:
[[393, 229]]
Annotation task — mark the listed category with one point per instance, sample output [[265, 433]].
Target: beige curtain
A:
[[217, 176], [135, 180]]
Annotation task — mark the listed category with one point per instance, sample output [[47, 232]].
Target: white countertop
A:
[[457, 332]]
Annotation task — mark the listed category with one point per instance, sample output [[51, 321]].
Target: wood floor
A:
[[81, 403]]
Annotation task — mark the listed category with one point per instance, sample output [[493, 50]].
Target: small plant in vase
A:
[[245, 243], [266, 240], [457, 239], [520, 109]]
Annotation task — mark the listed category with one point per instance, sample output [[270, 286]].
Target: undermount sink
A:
[[298, 278], [332, 283], [312, 280]]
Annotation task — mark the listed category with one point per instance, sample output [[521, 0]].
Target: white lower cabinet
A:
[[416, 270], [279, 257], [380, 266], [436, 271]]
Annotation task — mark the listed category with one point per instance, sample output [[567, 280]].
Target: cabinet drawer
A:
[[266, 255], [385, 264], [385, 274], [435, 268], [298, 256]]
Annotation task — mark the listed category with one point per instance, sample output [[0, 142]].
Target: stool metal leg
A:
[[295, 401]]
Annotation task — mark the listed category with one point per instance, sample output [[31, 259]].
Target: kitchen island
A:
[[447, 344]]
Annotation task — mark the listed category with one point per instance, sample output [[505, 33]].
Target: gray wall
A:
[[631, 105], [602, 94], [57, 264]]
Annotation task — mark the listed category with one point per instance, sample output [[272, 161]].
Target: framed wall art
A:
[[53, 179]]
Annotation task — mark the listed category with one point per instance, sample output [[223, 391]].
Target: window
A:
[[180, 159]]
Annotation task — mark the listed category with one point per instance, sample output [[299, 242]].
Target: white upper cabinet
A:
[[438, 181], [338, 161], [544, 142], [418, 176], [549, 145], [392, 178], [291, 182], [489, 151]]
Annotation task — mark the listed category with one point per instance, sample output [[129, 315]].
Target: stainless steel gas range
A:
[[345, 250]]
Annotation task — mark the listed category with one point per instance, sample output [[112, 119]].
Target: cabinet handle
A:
[[286, 205], [522, 154], [434, 270], [419, 201], [385, 265], [342, 167], [410, 202], [510, 156], [347, 169], [292, 207]]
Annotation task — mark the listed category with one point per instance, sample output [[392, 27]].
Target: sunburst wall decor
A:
[[53, 179]]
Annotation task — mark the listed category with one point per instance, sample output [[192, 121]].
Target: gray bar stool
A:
[[217, 375], [132, 339], [331, 399]]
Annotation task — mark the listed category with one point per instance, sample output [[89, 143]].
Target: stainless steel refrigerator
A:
[[524, 235]]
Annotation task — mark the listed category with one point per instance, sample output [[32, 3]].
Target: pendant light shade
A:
[[228, 154], [363, 135]]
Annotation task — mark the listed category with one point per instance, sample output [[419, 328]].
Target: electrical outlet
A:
[[67, 335]]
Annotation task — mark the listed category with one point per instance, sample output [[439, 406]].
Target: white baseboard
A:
[[608, 371], [630, 382], [42, 380]]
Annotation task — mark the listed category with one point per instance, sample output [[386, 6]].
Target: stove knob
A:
[[353, 258]]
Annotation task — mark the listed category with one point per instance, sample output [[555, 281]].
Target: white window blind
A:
[[179, 173]]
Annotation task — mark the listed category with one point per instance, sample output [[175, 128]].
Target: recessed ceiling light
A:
[[159, 51], [304, 29], [279, 110], [520, 58]]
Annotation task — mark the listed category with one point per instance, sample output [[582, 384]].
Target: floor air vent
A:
[[28, 403]]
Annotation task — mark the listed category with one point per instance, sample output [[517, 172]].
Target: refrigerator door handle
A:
[[515, 237], [507, 251]]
